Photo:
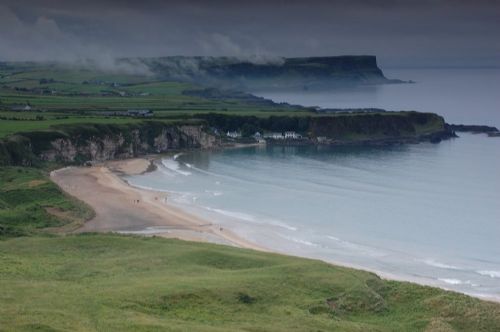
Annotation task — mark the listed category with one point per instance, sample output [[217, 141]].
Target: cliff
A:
[[97, 142], [76, 144], [304, 72], [402, 127]]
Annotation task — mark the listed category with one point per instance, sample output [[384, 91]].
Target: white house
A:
[[233, 134], [257, 135], [26, 107], [292, 135], [274, 135], [321, 139]]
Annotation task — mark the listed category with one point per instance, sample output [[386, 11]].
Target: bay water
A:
[[428, 213]]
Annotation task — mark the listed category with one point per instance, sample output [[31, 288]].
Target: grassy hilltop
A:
[[122, 283], [53, 281]]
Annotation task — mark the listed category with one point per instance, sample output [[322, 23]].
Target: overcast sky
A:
[[400, 33]]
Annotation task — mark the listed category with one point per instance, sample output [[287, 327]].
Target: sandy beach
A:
[[125, 209]]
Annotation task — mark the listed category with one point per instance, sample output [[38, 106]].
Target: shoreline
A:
[[125, 209]]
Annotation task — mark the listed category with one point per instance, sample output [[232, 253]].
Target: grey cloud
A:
[[426, 32]]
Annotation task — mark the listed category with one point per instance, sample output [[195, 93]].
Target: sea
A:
[[427, 213]]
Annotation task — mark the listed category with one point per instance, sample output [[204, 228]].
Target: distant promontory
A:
[[305, 72]]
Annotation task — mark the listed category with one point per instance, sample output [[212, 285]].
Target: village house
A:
[[257, 135], [233, 134], [25, 108], [321, 139], [274, 135], [292, 135]]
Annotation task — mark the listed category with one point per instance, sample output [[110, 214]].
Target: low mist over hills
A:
[[277, 72]]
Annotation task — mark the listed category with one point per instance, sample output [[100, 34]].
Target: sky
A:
[[407, 33]]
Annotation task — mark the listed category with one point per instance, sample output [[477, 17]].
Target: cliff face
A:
[[97, 142], [102, 142], [354, 67], [382, 128], [279, 72]]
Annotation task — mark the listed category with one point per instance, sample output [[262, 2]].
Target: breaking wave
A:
[[491, 274], [250, 218], [300, 241], [434, 263], [453, 281], [174, 166]]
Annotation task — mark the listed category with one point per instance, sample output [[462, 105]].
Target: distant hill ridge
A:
[[305, 72]]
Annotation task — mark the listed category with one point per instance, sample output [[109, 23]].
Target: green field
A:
[[60, 95], [9, 127], [58, 88], [121, 283]]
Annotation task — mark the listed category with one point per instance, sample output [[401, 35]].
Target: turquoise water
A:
[[428, 212]]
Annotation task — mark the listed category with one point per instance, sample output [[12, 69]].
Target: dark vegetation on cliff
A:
[[340, 127]]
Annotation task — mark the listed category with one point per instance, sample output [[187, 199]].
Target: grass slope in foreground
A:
[[96, 282], [30, 202]]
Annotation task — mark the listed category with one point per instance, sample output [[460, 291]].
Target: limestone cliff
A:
[[95, 142]]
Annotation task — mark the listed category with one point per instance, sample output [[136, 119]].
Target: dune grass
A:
[[30, 203], [121, 283]]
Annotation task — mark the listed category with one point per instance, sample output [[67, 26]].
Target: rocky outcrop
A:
[[473, 128], [79, 144], [200, 137]]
